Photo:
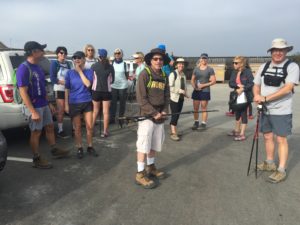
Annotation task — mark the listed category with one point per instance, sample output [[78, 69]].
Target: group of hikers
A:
[[96, 84]]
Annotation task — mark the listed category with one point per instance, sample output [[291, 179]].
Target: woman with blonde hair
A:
[[202, 78], [241, 80], [90, 58]]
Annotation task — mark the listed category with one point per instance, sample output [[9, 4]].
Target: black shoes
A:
[[80, 153], [92, 151]]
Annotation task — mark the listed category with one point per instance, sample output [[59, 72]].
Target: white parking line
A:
[[19, 159]]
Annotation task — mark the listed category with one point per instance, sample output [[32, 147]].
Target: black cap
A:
[[79, 54], [204, 56], [33, 45]]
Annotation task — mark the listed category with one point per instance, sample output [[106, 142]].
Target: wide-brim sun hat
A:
[[156, 51], [180, 60], [280, 43]]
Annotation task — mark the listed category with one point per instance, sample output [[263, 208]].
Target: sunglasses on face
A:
[[235, 63], [117, 53], [90, 50], [77, 57], [157, 59], [62, 53]]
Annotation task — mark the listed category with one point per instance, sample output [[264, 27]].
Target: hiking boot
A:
[[195, 125], [58, 153], [271, 167], [80, 153], [174, 137], [277, 177], [92, 151], [142, 179], [62, 135], [40, 163], [152, 171]]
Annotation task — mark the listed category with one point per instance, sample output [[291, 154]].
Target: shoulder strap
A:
[[150, 77], [284, 68], [29, 69], [265, 68], [175, 75], [125, 67]]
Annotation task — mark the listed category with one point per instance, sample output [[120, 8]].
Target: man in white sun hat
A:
[[273, 87]]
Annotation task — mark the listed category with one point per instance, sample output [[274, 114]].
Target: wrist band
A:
[[265, 99]]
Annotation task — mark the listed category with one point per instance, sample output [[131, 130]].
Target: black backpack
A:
[[274, 78]]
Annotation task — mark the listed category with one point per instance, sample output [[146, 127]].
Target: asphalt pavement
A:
[[207, 182]]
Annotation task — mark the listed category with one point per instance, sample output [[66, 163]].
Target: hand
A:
[[35, 116], [258, 99], [200, 86], [78, 68], [52, 108], [62, 82], [157, 116], [181, 91], [240, 86], [240, 91]]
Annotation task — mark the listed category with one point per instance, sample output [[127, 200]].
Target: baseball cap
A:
[[78, 54], [33, 45], [204, 56], [162, 47], [102, 53]]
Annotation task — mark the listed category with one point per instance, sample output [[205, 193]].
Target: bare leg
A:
[[283, 151], [196, 104], [96, 107], [77, 127], [60, 110], [106, 105], [88, 118], [269, 145], [35, 141], [204, 108], [50, 134]]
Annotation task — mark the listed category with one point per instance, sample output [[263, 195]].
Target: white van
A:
[[11, 115]]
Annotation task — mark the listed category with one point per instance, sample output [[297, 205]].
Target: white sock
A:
[[203, 122], [140, 166], [150, 160], [60, 127]]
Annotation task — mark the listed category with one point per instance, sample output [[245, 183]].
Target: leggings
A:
[[176, 107], [242, 114]]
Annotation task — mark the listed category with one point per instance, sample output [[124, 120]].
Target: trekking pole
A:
[[141, 118], [255, 139]]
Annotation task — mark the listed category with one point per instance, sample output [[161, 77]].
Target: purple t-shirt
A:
[[79, 93], [36, 87]]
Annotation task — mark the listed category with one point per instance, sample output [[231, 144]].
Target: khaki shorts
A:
[[150, 136]]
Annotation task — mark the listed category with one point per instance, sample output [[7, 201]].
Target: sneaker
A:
[[271, 167], [277, 177], [63, 135], [92, 151], [233, 133], [58, 153], [195, 125], [104, 135], [80, 153], [152, 171], [40, 163], [174, 137], [203, 125], [240, 138], [142, 179]]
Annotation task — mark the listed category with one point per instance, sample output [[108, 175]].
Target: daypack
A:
[[16, 92], [151, 77], [272, 78]]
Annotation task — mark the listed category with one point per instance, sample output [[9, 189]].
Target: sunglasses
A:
[[62, 53], [90, 50], [157, 59], [117, 53], [77, 57], [235, 63]]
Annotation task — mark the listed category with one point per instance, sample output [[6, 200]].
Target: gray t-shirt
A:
[[203, 76], [282, 106]]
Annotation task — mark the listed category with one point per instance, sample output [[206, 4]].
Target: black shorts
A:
[[59, 94], [98, 96], [80, 108]]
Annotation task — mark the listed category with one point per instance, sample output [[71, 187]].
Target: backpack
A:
[[274, 78], [16, 92], [151, 77]]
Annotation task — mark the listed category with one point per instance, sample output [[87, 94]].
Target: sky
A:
[[187, 28]]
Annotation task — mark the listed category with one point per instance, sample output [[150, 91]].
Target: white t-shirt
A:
[[120, 77], [282, 106], [89, 62], [61, 73]]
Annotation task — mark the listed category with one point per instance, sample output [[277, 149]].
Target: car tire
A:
[[3, 151]]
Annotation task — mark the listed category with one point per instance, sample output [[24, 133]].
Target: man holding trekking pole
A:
[[273, 87]]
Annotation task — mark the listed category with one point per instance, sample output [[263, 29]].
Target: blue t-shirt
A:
[[79, 93], [36, 86]]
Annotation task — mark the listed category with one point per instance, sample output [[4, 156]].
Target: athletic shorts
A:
[[281, 125], [200, 95], [59, 94], [150, 136], [80, 108], [101, 96], [46, 119]]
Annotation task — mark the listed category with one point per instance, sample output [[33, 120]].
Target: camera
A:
[[261, 107]]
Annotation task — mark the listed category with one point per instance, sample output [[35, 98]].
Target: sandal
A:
[[233, 133], [104, 135], [240, 138]]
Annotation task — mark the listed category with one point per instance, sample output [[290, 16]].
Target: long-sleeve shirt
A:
[[153, 99]]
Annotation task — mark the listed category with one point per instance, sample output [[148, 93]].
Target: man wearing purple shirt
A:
[[31, 83]]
